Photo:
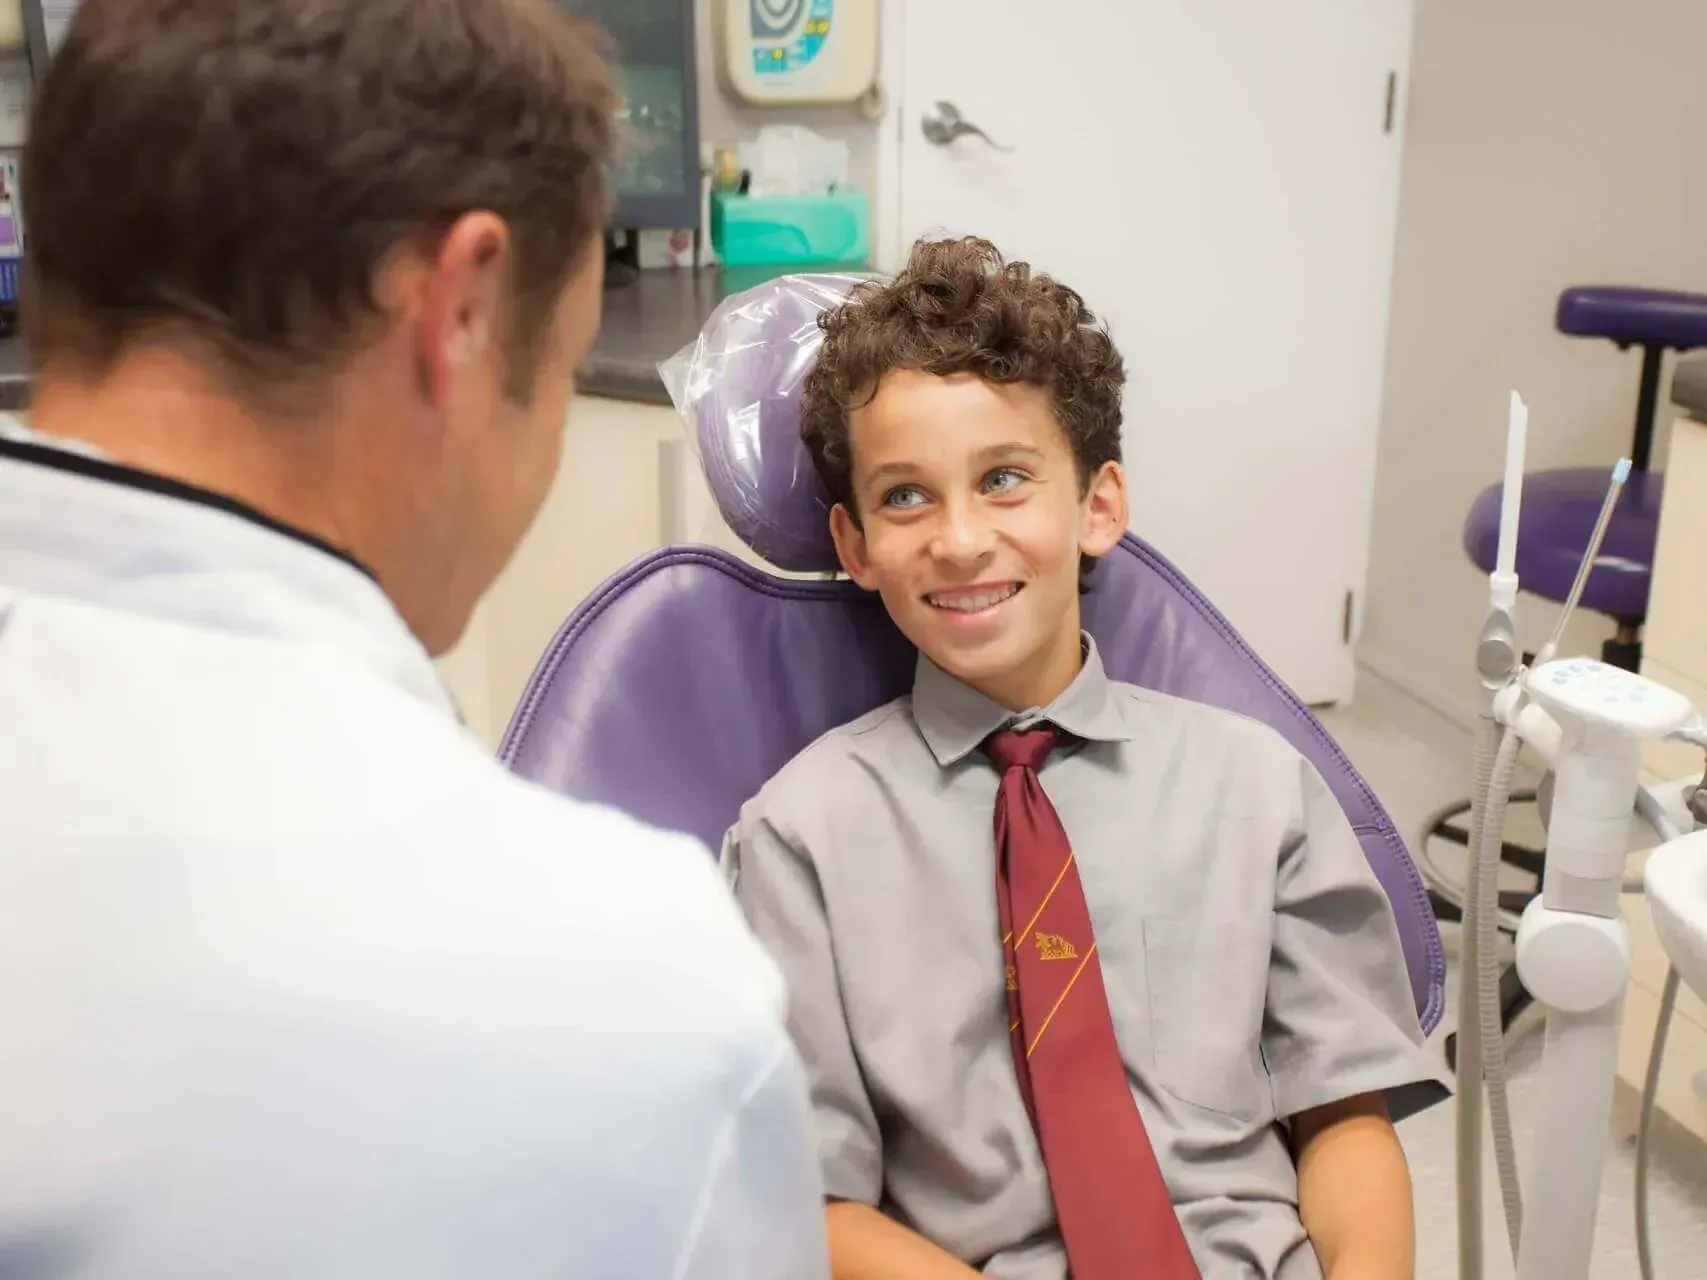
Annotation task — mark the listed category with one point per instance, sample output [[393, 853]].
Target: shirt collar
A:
[[955, 718], [75, 524]]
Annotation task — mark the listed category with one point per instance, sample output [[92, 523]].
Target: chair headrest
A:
[[737, 387]]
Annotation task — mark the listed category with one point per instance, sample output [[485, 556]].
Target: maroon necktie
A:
[[1117, 1219]]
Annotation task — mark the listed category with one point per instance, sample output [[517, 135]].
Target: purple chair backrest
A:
[[684, 682]]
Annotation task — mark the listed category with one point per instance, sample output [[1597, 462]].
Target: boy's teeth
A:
[[971, 604]]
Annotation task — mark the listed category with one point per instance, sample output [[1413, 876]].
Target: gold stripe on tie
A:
[[1065, 867], [1058, 1000]]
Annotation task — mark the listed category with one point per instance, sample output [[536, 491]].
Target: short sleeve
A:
[[777, 886], [1339, 1019]]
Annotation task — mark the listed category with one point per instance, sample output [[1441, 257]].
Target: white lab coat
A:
[[297, 984]]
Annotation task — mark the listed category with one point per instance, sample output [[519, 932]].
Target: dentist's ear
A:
[[466, 344], [459, 288]]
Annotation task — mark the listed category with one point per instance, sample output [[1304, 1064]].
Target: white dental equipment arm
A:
[[1572, 952], [1589, 720]]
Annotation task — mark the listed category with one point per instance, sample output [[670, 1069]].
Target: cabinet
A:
[[1675, 654]]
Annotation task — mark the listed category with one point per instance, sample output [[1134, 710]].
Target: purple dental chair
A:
[[684, 682]]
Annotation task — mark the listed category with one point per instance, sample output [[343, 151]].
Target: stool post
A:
[[1647, 407]]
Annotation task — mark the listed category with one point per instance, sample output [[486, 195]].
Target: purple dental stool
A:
[[1558, 517], [689, 678]]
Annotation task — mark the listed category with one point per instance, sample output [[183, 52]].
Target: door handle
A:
[[943, 123]]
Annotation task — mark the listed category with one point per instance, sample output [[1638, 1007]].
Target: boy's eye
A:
[[903, 496], [1003, 480]]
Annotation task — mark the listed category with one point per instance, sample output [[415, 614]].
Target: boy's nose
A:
[[961, 536]]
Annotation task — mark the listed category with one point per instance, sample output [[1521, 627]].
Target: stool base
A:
[[1624, 650]]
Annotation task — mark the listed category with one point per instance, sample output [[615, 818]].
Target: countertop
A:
[[661, 312], [644, 323]]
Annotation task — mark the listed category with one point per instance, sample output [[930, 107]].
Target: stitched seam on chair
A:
[[545, 673], [1435, 1008]]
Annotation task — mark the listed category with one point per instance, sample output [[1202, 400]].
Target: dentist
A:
[[297, 983]]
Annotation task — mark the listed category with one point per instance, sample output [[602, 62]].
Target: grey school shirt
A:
[[1251, 962]]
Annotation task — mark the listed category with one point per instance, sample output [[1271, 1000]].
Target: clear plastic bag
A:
[[737, 388]]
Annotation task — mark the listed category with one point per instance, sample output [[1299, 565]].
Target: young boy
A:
[[1169, 963]]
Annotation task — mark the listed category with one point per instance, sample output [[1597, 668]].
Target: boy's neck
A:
[[1041, 679]]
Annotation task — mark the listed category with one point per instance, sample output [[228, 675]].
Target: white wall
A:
[[1548, 143]]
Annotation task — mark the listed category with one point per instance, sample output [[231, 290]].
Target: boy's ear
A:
[[1105, 512], [850, 546]]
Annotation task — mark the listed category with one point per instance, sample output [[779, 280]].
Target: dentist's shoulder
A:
[[609, 976], [670, 940]]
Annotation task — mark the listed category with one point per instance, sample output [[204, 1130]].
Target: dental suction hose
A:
[[1470, 1050], [1653, 813], [1481, 1055], [1497, 666], [1485, 867], [1481, 1059], [1645, 1127]]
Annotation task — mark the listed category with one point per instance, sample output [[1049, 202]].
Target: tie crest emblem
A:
[[1052, 946]]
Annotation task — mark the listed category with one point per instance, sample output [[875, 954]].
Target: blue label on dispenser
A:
[[787, 34]]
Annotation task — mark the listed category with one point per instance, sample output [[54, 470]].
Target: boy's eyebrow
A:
[[1010, 450], [990, 453], [889, 471]]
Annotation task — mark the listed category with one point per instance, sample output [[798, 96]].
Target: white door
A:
[[1219, 179]]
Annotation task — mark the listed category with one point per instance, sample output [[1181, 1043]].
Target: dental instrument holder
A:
[[1572, 951], [1497, 658], [1498, 664]]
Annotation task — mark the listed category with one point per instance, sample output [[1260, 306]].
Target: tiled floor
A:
[[1415, 760]]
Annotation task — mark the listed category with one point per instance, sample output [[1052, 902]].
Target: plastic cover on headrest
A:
[[737, 387]]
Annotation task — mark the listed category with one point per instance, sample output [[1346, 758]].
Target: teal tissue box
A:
[[789, 230]]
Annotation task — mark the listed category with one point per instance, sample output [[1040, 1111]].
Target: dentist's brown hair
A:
[[231, 174]]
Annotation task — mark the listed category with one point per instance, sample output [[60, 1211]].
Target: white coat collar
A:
[[73, 523]]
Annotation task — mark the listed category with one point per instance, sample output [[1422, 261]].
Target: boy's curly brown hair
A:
[[959, 307]]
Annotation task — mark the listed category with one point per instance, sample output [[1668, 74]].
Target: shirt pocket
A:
[[1208, 982]]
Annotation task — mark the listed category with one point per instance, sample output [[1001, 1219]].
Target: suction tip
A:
[[1621, 472]]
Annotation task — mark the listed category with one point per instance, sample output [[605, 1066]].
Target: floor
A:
[[1415, 760]]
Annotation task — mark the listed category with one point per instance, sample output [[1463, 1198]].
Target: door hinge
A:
[[1345, 620], [1392, 101]]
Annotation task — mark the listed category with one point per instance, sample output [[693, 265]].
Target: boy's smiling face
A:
[[972, 520]]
